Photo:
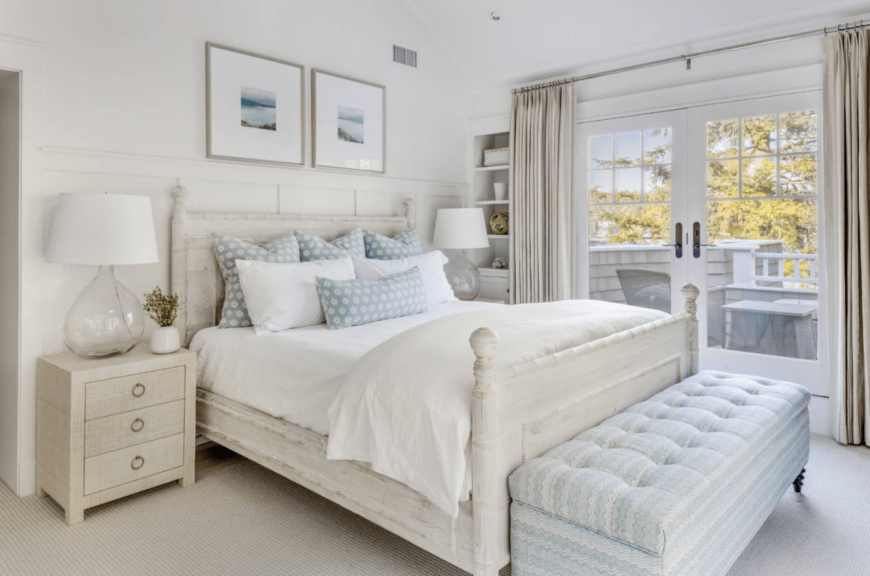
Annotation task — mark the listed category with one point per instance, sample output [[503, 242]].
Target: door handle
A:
[[678, 240], [696, 240]]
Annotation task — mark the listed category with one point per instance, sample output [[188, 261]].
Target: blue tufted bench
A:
[[676, 485]]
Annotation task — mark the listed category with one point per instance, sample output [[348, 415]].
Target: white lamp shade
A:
[[460, 229], [102, 229]]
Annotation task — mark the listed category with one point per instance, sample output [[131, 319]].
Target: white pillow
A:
[[283, 296], [431, 265]]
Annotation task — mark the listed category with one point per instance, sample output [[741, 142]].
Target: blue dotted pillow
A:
[[313, 247], [228, 249], [349, 303], [380, 247]]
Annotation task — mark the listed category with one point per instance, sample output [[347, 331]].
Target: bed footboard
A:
[[523, 411]]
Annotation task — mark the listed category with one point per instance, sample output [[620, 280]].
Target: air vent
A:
[[404, 56]]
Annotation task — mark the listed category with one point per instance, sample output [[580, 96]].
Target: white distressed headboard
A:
[[195, 275]]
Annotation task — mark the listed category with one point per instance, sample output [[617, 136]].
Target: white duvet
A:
[[296, 374], [405, 408]]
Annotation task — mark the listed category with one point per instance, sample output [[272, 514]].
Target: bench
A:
[[676, 485]]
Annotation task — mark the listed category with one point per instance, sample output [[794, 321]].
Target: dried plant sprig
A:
[[162, 308]]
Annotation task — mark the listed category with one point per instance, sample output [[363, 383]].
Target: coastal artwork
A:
[[258, 109], [351, 125]]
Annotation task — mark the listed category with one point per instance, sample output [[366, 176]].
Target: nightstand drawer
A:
[[107, 397], [122, 466], [135, 427]]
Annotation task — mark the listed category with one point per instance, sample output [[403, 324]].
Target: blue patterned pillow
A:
[[313, 247], [228, 249], [349, 303], [380, 247]]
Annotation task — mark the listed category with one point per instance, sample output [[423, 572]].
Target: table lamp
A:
[[106, 319], [461, 229]]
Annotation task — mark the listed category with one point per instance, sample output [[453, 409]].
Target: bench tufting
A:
[[677, 484]]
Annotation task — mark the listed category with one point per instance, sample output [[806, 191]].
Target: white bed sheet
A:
[[296, 374]]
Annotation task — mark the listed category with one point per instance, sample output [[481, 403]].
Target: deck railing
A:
[[778, 274]]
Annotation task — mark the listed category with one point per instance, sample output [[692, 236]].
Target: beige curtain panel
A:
[[542, 261], [846, 122]]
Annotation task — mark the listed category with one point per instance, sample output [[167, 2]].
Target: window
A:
[[629, 186]]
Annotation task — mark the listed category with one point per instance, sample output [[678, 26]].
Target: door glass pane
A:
[[722, 179], [628, 185], [723, 139], [759, 135], [799, 131], [797, 175], [600, 186], [759, 177], [628, 149], [762, 273], [601, 151], [657, 146], [628, 262]]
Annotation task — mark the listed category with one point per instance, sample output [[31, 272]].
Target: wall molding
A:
[[123, 164]]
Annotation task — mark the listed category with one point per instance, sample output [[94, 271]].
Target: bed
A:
[[513, 417]]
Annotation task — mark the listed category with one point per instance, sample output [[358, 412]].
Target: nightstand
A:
[[490, 300], [112, 427]]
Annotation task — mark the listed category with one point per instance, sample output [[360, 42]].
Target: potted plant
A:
[[163, 308]]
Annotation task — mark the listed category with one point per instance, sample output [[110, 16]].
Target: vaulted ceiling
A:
[[540, 38]]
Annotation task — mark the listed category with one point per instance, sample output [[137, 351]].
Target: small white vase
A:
[[165, 340], [500, 190]]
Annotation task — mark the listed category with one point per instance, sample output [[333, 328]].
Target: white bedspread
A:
[[406, 407], [296, 374]]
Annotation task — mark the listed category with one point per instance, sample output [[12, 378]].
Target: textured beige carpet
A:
[[242, 519]]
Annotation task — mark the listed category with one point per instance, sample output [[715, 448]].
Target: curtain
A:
[[846, 123], [542, 245]]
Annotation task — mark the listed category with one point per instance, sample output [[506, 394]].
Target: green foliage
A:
[[162, 308]]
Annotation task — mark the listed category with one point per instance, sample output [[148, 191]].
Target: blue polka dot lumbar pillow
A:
[[349, 303], [313, 247], [379, 247], [228, 249]]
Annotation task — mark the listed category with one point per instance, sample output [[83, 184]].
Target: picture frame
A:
[[348, 123], [255, 107]]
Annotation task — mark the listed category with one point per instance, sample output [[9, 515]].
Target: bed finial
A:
[[410, 211], [691, 292], [484, 446], [179, 195]]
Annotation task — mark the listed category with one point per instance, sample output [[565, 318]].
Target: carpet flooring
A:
[[239, 518]]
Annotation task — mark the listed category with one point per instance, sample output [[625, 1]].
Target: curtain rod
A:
[[687, 58]]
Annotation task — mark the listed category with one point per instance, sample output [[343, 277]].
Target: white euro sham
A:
[[431, 265], [284, 296]]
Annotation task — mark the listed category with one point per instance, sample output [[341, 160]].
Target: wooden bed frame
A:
[[518, 412]]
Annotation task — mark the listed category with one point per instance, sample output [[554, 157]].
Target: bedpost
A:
[[691, 292], [410, 211], [484, 438], [178, 268]]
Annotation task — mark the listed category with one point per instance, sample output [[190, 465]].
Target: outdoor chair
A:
[[646, 288]]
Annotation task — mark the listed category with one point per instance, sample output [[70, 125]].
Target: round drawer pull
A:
[[136, 428], [141, 463], [138, 390]]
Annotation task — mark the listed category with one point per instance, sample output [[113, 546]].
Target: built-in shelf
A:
[[490, 271], [505, 236], [492, 168], [482, 202]]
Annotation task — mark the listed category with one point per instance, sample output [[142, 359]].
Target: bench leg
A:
[[799, 481]]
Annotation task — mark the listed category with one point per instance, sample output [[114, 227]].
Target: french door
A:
[[724, 196]]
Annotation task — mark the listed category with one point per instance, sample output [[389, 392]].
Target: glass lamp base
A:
[[463, 276], [105, 319]]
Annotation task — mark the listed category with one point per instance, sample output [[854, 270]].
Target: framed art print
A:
[[254, 107], [349, 123]]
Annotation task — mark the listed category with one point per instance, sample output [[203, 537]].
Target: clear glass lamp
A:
[[106, 319], [458, 230]]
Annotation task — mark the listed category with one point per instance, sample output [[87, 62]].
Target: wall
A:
[[10, 209], [125, 113]]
